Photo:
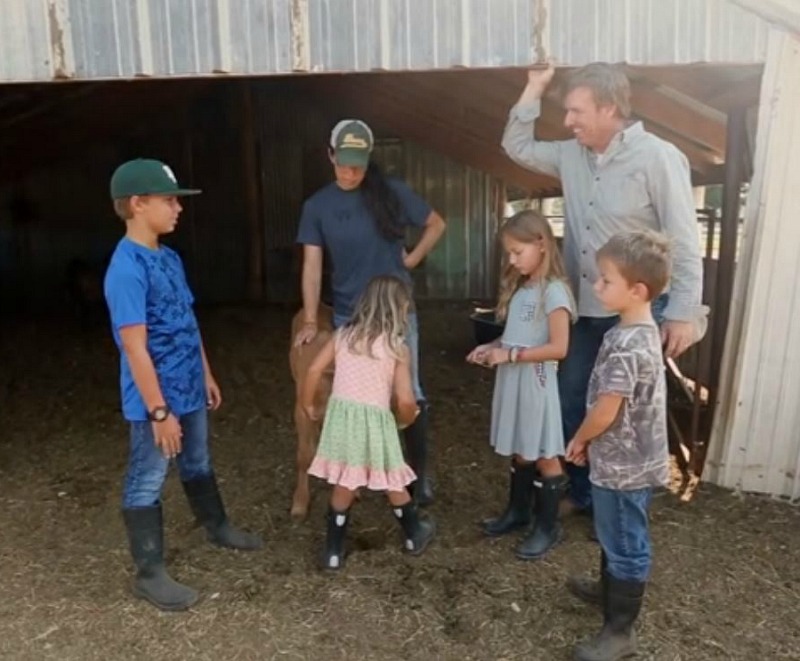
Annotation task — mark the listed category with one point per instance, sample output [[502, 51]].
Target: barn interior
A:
[[257, 148]]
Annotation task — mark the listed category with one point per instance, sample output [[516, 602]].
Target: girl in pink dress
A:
[[359, 445]]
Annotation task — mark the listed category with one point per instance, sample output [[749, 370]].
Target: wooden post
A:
[[735, 150], [735, 154], [249, 142]]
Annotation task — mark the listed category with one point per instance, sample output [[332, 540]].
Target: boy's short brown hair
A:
[[122, 207], [641, 256]]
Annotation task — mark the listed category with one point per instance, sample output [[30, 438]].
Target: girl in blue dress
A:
[[538, 308]]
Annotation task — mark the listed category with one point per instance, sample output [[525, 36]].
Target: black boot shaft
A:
[[547, 530], [205, 501], [416, 442], [418, 532], [206, 504], [623, 603], [520, 502], [334, 553], [146, 536], [145, 528], [617, 639]]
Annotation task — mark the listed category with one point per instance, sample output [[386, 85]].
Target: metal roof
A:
[[98, 39]]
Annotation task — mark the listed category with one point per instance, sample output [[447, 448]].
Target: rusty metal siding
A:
[[361, 35], [121, 38], [461, 266], [653, 32], [97, 39], [25, 48]]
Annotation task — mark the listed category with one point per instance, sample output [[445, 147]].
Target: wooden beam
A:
[[255, 223], [396, 110], [651, 105], [743, 94]]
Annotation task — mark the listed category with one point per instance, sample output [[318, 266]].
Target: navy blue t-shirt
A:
[[147, 286], [338, 221]]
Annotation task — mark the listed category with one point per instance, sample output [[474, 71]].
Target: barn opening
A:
[[256, 146]]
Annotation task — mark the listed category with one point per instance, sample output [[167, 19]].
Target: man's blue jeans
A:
[[620, 521], [586, 337], [147, 466]]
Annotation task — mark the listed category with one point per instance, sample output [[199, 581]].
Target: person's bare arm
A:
[[311, 284], [434, 229]]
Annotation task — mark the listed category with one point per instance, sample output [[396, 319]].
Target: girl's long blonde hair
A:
[[382, 309], [529, 226]]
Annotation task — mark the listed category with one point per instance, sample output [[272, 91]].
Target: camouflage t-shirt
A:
[[632, 453]]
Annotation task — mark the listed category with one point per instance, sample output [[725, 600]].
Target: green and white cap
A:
[[146, 176], [352, 142]]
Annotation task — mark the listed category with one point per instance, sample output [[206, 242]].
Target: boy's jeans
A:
[[586, 337], [620, 520], [147, 467]]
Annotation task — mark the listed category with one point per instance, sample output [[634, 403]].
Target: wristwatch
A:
[[159, 413]]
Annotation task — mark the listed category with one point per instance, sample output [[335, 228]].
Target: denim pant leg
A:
[[412, 340], [194, 460], [573, 381], [657, 307], [147, 469], [620, 520]]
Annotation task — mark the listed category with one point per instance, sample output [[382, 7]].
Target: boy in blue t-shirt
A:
[[166, 381]]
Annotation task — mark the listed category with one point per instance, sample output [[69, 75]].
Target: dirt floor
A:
[[726, 581]]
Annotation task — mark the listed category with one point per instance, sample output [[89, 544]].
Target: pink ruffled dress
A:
[[359, 445]]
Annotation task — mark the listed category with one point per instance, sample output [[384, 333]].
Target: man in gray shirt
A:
[[616, 177]]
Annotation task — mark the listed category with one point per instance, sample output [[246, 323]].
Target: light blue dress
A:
[[526, 412]]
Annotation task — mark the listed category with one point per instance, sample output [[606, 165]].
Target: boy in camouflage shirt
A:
[[624, 436]]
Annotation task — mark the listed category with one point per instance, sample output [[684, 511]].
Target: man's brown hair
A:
[[608, 83]]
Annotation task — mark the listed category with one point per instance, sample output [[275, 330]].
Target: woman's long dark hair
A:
[[382, 202]]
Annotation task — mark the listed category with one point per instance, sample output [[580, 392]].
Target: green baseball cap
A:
[[146, 176], [352, 143]]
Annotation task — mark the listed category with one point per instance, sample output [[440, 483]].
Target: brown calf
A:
[[300, 358]]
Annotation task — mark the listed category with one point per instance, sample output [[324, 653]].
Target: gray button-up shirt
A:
[[639, 182]]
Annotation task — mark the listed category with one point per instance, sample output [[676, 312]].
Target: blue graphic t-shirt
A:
[[339, 221], [146, 286]]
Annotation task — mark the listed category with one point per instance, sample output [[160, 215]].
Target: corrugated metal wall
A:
[[463, 265], [755, 444], [62, 211], [91, 39], [653, 32]]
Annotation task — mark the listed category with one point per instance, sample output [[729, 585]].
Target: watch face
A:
[[160, 414]]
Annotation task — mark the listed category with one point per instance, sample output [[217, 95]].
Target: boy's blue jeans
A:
[[586, 337], [147, 467], [620, 520]]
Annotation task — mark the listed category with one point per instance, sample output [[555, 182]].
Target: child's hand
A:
[[312, 412], [478, 354], [167, 436], [576, 452], [405, 414], [496, 356], [213, 393]]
